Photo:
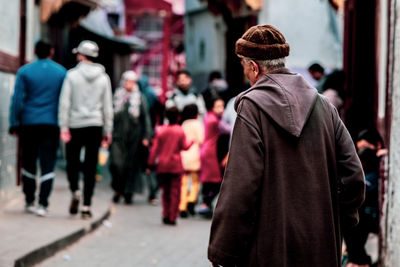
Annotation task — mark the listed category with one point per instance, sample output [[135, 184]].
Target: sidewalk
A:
[[27, 239]]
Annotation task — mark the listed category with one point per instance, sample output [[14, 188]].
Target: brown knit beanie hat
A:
[[262, 42]]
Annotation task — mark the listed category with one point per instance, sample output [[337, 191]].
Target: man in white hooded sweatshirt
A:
[[86, 117]]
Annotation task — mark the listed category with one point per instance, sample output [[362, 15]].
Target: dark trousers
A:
[[90, 139], [171, 193], [38, 142], [209, 192], [151, 178], [356, 238], [152, 185]]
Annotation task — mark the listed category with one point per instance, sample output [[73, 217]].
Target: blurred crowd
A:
[[127, 129]]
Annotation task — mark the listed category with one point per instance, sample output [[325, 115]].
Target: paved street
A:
[[134, 236], [22, 233]]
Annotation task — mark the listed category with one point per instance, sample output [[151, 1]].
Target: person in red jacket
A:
[[165, 155]]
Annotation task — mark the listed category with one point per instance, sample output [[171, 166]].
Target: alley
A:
[[135, 236], [286, 112]]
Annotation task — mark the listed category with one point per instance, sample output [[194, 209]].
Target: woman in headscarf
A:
[[132, 131]]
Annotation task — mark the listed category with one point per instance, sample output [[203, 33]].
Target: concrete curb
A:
[[49, 250]]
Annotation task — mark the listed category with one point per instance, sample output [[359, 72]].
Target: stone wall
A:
[[392, 218], [8, 147]]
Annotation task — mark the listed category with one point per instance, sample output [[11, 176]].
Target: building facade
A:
[[16, 47], [204, 42], [314, 31]]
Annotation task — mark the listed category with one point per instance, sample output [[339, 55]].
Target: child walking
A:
[[193, 129], [165, 155]]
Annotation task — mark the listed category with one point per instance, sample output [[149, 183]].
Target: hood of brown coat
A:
[[287, 98]]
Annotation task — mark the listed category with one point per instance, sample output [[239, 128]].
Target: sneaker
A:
[[153, 202], [73, 208], [30, 208], [183, 214], [86, 215], [205, 211], [41, 211]]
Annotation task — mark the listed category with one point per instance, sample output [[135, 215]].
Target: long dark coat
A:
[[126, 152], [292, 178]]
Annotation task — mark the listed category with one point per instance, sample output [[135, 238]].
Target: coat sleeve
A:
[[153, 151], [146, 118], [200, 133], [108, 108], [236, 211], [65, 104], [350, 174], [17, 100], [185, 144], [201, 105]]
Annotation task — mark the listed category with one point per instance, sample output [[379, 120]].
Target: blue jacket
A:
[[36, 94]]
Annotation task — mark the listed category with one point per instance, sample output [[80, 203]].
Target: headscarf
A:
[[122, 96]]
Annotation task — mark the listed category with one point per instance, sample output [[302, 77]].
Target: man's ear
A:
[[255, 68], [51, 53]]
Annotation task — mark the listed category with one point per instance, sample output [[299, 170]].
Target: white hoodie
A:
[[86, 98]]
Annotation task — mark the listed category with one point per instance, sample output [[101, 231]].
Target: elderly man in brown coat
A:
[[293, 177]]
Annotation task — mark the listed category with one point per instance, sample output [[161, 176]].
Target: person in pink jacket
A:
[[165, 155], [194, 131], [211, 171]]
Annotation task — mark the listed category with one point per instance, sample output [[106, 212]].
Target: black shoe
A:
[[128, 199], [183, 214], [167, 221], [86, 214], [191, 209], [73, 207], [115, 198]]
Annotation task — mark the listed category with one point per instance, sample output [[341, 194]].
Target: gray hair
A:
[[270, 64]]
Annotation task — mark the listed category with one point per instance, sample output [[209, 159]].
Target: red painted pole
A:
[[165, 59]]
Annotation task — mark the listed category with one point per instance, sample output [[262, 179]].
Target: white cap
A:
[[87, 48]]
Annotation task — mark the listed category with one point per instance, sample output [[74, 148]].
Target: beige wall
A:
[[7, 142]]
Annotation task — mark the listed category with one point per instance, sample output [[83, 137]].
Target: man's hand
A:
[[107, 138], [145, 142], [13, 131], [65, 136], [225, 160]]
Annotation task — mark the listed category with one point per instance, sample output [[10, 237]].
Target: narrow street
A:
[[302, 97], [135, 236]]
